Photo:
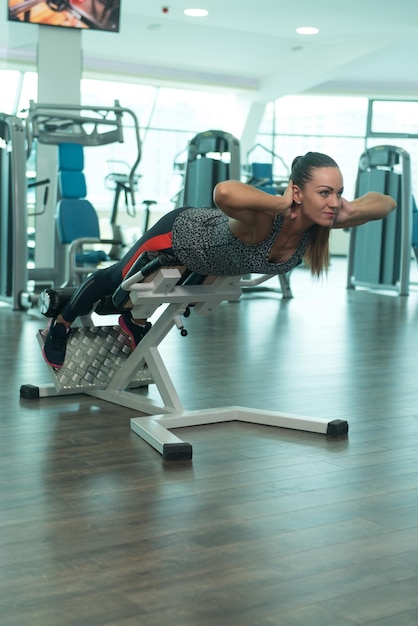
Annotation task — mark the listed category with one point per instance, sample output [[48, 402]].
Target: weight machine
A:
[[99, 362], [13, 213], [380, 251], [48, 124], [212, 156]]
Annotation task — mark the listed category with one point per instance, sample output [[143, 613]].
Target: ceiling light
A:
[[307, 30], [196, 12]]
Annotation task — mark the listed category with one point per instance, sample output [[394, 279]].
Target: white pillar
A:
[[252, 124], [59, 76]]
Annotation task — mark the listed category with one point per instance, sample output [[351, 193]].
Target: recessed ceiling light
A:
[[196, 12], [307, 30]]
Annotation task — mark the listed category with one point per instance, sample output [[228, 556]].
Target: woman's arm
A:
[[371, 206], [246, 203]]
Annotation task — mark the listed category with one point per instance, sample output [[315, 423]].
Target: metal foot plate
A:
[[93, 356]]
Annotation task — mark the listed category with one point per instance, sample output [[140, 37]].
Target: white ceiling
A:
[[364, 47]]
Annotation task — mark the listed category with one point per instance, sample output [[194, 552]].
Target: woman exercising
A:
[[250, 232]]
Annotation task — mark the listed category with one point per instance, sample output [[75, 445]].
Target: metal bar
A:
[[15, 199], [155, 429], [406, 229]]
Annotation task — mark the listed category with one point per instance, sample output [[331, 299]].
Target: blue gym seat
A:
[[262, 177], [77, 221]]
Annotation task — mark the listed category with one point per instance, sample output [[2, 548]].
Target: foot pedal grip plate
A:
[[94, 355]]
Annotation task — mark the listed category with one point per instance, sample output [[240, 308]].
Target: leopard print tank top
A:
[[203, 242]]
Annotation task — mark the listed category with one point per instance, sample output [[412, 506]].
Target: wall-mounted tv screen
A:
[[88, 14]]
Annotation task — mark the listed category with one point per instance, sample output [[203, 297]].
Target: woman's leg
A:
[[103, 283]]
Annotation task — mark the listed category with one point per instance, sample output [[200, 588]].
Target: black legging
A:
[[104, 282]]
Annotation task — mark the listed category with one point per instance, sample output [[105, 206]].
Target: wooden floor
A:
[[265, 526]]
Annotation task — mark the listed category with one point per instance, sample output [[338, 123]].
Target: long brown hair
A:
[[317, 251]]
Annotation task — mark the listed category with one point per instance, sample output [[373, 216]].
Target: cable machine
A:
[[13, 214], [213, 156], [380, 251], [52, 125]]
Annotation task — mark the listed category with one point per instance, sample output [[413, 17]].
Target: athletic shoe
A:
[[132, 330], [55, 344]]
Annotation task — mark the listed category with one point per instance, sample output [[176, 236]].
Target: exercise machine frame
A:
[[164, 294], [380, 251], [49, 124]]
